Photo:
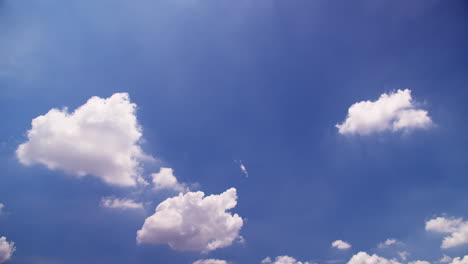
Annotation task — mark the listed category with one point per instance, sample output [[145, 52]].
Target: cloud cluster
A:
[[340, 244], [165, 179], [459, 260], [283, 260], [455, 227], [210, 261], [115, 203], [391, 112], [193, 222], [364, 258], [6, 249], [100, 138]]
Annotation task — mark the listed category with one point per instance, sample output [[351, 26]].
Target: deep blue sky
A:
[[260, 81]]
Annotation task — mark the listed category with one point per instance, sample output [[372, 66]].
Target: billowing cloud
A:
[[391, 112], [165, 179], [419, 262], [455, 227], [364, 258], [6, 249], [210, 261], [283, 260], [340, 244], [115, 203], [445, 259], [459, 260], [100, 138], [193, 222], [388, 243], [403, 255]]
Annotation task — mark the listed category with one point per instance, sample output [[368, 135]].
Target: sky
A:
[[240, 132]]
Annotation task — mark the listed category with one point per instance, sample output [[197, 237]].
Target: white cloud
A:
[[459, 260], [455, 227], [364, 258], [340, 244], [283, 260], [403, 255], [165, 179], [419, 262], [210, 261], [445, 259], [389, 242], [391, 112], [193, 222], [6, 249], [1, 207], [99, 138], [115, 203]]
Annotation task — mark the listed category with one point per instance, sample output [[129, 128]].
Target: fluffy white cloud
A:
[[210, 261], [165, 179], [364, 258], [391, 112], [193, 222], [340, 244], [389, 242], [459, 260], [283, 260], [6, 249], [455, 227], [1, 208], [99, 138], [115, 203], [419, 262]]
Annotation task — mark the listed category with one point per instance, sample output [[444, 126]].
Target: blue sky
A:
[[216, 83]]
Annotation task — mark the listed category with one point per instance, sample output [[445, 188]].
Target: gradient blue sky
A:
[[260, 81]]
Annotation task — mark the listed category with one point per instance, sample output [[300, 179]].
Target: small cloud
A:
[[391, 112], [266, 260], [242, 168], [284, 260], [445, 259], [389, 242], [364, 258], [6, 249], [165, 179], [403, 255], [1, 208], [210, 261], [115, 203], [419, 262], [340, 244]]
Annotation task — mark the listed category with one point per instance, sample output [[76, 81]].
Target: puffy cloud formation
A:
[[391, 112], [364, 258], [455, 227], [115, 203], [193, 222], [403, 255], [99, 138], [389, 242], [459, 260], [340, 244], [6, 249], [165, 179], [283, 260], [210, 261], [419, 262]]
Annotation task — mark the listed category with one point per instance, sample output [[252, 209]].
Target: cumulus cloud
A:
[[388, 243], [115, 203], [193, 222], [6, 249], [419, 262], [340, 244], [283, 260], [364, 258], [455, 227], [100, 138], [391, 112], [459, 260], [403, 255], [210, 261], [1, 208], [165, 179]]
